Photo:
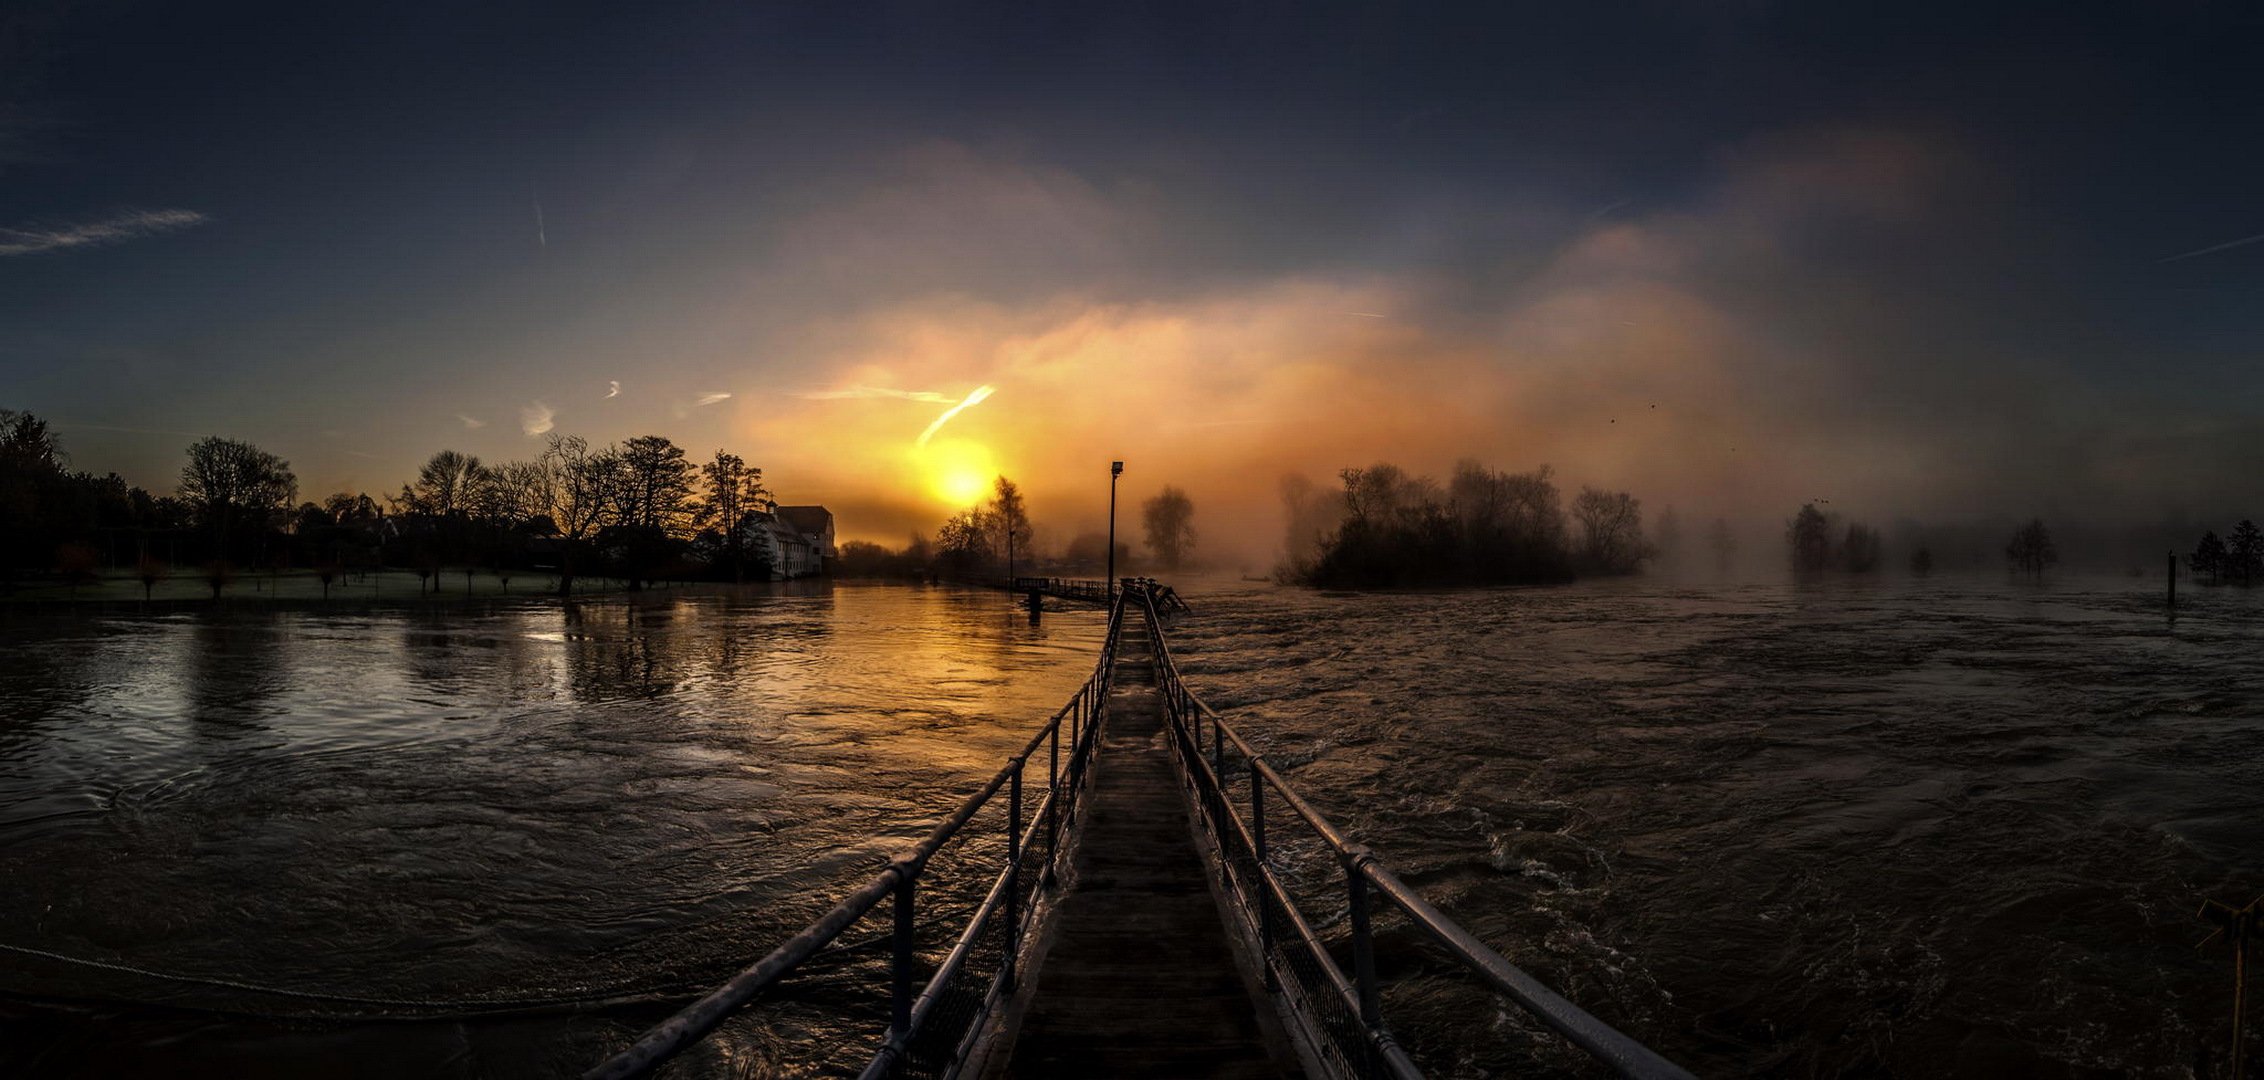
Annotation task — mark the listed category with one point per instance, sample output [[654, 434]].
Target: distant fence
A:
[[931, 1032], [1339, 1015]]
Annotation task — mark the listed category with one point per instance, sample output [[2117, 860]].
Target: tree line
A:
[[639, 510], [996, 538], [1485, 526], [2238, 560]]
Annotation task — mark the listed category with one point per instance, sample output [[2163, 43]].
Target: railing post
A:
[[900, 975], [1013, 875], [1263, 887], [1363, 940], [1053, 798]]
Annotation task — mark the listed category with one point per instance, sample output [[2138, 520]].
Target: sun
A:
[[957, 471]]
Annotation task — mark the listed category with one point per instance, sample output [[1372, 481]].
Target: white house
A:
[[795, 540]]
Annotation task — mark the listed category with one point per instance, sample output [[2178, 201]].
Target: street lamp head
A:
[[1116, 468]]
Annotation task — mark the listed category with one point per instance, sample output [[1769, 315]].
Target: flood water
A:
[[453, 807], [1951, 827]]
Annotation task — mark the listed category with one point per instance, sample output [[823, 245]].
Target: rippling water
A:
[[1909, 828], [1932, 828], [458, 804]]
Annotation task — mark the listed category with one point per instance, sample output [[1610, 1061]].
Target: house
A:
[[795, 540]]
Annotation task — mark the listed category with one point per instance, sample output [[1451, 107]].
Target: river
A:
[[1937, 827]]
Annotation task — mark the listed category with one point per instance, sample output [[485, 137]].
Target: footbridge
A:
[[1149, 908]]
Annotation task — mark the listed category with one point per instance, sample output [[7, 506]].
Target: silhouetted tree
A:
[[2031, 550], [731, 490], [1611, 531], [576, 491], [1809, 535], [2209, 557], [1011, 518], [1922, 562], [2244, 552], [150, 571], [963, 544], [232, 484], [1169, 520], [444, 485]]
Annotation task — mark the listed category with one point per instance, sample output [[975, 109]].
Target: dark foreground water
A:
[[1956, 827]]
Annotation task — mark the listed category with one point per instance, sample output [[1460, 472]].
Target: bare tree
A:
[[576, 493], [1011, 518], [444, 485], [2031, 550], [1611, 530], [230, 483], [1169, 520]]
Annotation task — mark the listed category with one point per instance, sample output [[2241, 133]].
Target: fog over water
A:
[[1919, 827]]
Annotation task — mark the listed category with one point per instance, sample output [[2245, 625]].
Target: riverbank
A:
[[301, 586]]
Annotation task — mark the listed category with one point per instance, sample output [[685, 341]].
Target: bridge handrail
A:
[[1357, 995], [909, 1018]]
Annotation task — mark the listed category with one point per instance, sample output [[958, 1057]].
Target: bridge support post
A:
[[1035, 605]]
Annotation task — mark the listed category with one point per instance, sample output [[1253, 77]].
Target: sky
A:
[[1957, 263]]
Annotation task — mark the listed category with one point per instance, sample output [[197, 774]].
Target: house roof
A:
[[809, 519]]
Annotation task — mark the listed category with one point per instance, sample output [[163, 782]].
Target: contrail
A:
[[613, 388], [710, 397], [1365, 314], [877, 392], [2226, 246], [980, 393], [542, 235]]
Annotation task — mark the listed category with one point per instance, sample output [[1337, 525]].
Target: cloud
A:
[[535, 419], [471, 423], [40, 238], [613, 388], [710, 397]]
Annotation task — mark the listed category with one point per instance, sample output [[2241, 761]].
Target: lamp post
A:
[[1115, 469]]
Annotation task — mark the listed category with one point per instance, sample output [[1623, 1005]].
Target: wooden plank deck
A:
[[1139, 980]]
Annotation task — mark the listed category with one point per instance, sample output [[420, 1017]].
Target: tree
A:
[[655, 491], [1011, 518], [964, 541], [2244, 552], [2031, 550], [2209, 557], [731, 491], [149, 571], [444, 486], [575, 491], [1809, 535], [1922, 562], [1169, 520], [231, 483], [1611, 530]]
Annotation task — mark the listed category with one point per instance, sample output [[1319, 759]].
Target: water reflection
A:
[[464, 802]]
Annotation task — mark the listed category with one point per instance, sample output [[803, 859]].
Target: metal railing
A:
[[930, 1034], [1339, 1016]]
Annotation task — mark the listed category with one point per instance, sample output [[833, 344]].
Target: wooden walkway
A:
[[1139, 980]]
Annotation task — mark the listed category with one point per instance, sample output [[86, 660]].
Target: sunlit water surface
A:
[[1911, 828], [456, 806]]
